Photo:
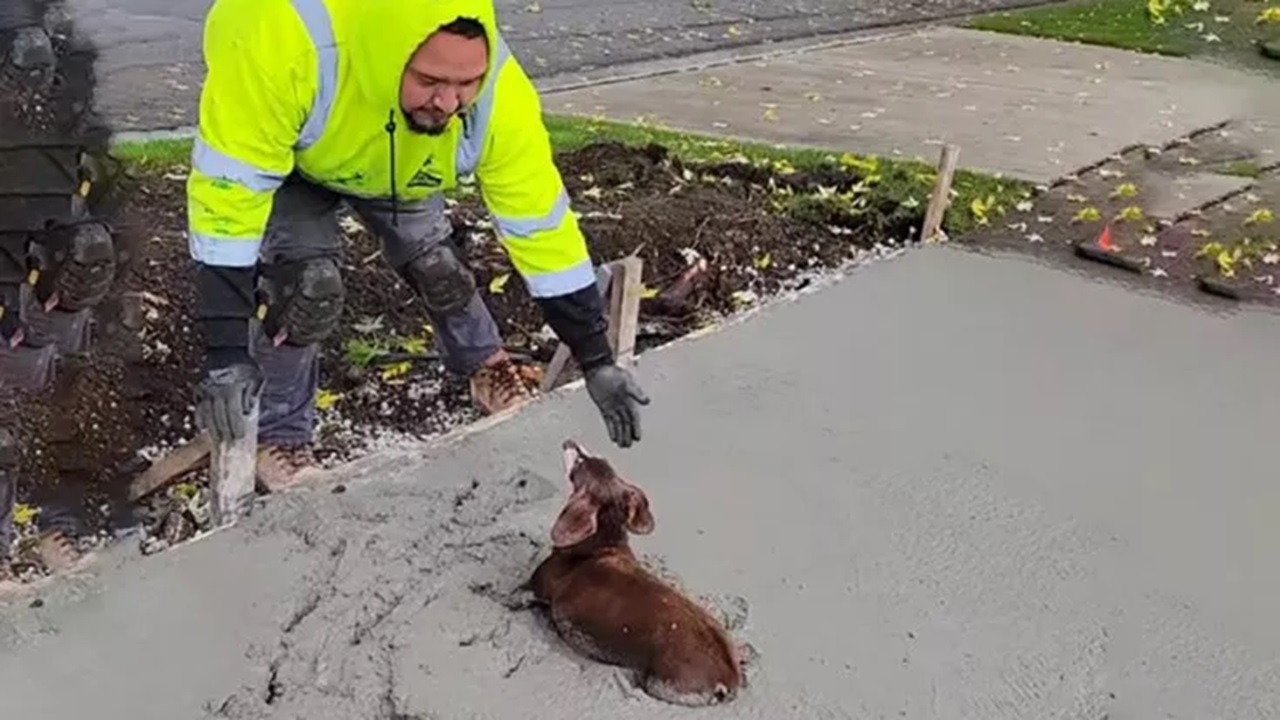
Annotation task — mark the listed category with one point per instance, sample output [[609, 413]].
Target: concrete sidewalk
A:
[[951, 486], [151, 62], [1030, 108]]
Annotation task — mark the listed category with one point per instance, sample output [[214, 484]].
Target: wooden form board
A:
[[621, 287]]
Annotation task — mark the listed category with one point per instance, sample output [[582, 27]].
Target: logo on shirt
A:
[[426, 177]]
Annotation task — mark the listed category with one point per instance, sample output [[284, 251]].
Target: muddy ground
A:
[[130, 401]]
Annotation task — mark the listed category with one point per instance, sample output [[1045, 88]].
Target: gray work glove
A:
[[226, 395], [618, 396]]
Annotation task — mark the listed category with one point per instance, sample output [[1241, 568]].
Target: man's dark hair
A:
[[469, 28]]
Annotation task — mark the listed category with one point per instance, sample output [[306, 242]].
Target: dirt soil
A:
[[1193, 220], [714, 239]]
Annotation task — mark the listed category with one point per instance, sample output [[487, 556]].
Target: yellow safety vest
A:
[[307, 86]]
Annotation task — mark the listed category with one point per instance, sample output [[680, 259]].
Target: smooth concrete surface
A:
[[948, 486], [1030, 108]]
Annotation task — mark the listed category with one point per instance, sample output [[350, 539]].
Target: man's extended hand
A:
[[225, 397], [617, 395]]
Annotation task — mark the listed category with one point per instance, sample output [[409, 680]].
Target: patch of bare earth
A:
[[130, 401], [1195, 219]]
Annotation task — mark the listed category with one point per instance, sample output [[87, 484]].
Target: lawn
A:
[[1220, 30]]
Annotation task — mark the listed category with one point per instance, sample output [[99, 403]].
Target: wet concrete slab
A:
[[950, 485], [1029, 108]]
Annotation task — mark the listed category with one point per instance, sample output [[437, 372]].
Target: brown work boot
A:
[[57, 551], [282, 467], [499, 385]]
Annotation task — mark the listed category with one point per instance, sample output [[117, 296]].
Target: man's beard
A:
[[417, 127]]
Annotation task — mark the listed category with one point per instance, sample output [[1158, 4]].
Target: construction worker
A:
[[381, 105], [57, 260]]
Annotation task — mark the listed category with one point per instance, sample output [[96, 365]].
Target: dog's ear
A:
[[639, 518], [577, 521]]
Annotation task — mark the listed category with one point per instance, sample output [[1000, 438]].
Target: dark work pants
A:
[[304, 225]]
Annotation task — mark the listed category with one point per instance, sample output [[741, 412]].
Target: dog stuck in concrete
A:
[[607, 606]]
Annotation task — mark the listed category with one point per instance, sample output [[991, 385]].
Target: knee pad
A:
[[441, 279], [77, 262], [303, 300]]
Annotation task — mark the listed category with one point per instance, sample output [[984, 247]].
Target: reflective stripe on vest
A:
[[476, 121], [315, 16], [526, 227], [216, 164], [561, 282], [223, 252]]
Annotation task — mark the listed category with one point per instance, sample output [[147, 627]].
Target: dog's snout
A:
[[573, 454]]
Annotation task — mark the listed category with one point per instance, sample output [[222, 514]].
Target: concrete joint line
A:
[[1165, 146], [732, 56], [714, 59]]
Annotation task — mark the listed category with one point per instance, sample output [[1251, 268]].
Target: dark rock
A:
[[32, 49], [1270, 48]]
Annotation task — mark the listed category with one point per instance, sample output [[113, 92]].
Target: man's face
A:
[[442, 78]]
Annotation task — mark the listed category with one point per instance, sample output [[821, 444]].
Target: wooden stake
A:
[[232, 471], [941, 198], [620, 284], [560, 360], [624, 309]]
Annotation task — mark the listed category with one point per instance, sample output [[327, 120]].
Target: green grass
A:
[[1243, 168], [1114, 23], [1225, 30], [977, 197], [153, 155]]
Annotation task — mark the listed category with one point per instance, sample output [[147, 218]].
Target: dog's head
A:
[[601, 504]]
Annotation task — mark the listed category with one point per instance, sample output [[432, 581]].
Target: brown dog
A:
[[608, 607]]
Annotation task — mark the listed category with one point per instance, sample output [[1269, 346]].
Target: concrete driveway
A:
[[949, 486], [151, 63]]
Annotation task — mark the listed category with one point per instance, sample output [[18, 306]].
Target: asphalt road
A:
[[150, 66]]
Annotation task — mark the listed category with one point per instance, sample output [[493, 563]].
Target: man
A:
[[57, 260], [381, 104]]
